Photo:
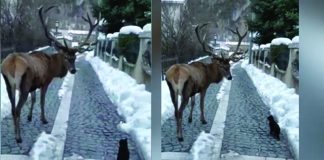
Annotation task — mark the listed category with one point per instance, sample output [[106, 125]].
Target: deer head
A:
[[220, 63], [69, 52]]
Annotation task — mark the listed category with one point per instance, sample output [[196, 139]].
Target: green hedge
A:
[[279, 54], [128, 46]]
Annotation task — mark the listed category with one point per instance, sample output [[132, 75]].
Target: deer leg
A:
[[22, 99], [202, 98], [174, 98], [43, 93], [33, 99], [11, 94], [184, 102], [192, 99]]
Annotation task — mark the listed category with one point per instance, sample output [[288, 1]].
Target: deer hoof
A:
[[189, 120], [18, 140], [29, 118], [180, 139], [203, 121], [44, 121]]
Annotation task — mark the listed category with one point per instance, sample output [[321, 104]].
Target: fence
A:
[[287, 73], [107, 49]]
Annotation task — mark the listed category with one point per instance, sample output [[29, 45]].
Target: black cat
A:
[[123, 152], [274, 128]]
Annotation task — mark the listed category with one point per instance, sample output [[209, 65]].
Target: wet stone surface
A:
[[30, 130], [192, 130], [246, 127], [92, 128]]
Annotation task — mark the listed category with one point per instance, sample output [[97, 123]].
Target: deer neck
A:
[[213, 73], [57, 65]]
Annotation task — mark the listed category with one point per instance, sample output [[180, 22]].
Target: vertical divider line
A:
[[156, 80]]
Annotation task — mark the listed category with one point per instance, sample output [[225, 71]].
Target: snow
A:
[[198, 59], [79, 32], [264, 46], [130, 29], [295, 39], [115, 35], [147, 27], [204, 147], [101, 36], [5, 103], [42, 48], [283, 102], [109, 35], [221, 91], [132, 100], [281, 40], [167, 109], [44, 148], [255, 47], [75, 44]]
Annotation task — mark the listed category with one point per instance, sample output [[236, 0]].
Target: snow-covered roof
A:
[[101, 36], [281, 40], [109, 35], [173, 1], [147, 27], [130, 29], [115, 35], [295, 39], [263, 46], [255, 47], [79, 32]]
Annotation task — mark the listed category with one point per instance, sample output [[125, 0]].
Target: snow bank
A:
[[167, 109], [65, 85], [283, 102], [130, 29], [147, 27], [5, 103], [221, 91], [281, 40], [133, 101], [295, 39], [204, 147], [44, 148]]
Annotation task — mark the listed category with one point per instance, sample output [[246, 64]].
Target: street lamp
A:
[[56, 27]]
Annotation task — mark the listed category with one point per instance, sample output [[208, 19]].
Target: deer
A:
[[187, 80], [36, 70]]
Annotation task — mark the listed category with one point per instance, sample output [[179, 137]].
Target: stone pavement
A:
[[92, 129], [191, 131], [31, 130], [246, 127]]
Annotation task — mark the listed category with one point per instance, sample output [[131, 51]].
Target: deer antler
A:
[[241, 37], [92, 27], [202, 41], [47, 33]]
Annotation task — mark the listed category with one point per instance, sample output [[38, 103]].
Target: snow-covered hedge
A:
[[147, 27], [130, 29], [281, 40]]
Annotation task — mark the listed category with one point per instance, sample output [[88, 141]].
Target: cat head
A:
[[270, 118], [123, 141]]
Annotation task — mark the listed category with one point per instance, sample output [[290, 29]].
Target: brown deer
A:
[[28, 72], [188, 79]]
